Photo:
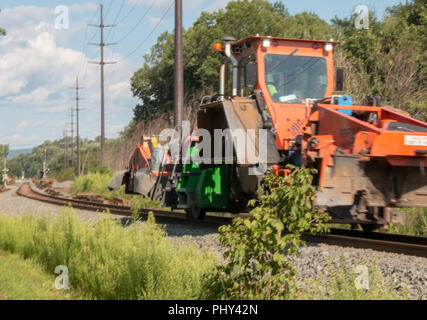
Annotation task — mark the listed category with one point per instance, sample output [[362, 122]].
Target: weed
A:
[[105, 259]]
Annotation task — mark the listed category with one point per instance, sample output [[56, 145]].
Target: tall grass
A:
[[105, 259], [97, 183], [339, 283], [93, 182], [25, 279], [415, 223]]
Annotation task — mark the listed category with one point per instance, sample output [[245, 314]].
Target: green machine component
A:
[[200, 189]]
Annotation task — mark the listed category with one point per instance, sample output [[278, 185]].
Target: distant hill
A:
[[17, 152]]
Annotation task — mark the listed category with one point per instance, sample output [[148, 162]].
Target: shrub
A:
[[105, 259], [340, 284], [256, 265], [415, 223], [98, 183], [67, 174], [92, 182], [100, 170]]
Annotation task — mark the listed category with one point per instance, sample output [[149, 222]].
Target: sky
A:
[[40, 59]]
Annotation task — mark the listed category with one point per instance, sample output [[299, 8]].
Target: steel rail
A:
[[402, 244], [25, 190]]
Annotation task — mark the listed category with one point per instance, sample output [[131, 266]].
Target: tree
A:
[[153, 83], [388, 60], [2, 31], [4, 151], [390, 56]]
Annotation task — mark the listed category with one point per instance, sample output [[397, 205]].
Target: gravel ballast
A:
[[313, 262]]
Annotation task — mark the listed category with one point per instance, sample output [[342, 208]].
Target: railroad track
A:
[[409, 245], [166, 216]]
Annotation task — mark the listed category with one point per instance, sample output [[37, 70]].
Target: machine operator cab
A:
[[289, 74], [293, 79]]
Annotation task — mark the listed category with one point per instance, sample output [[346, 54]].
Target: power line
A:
[[108, 9], [112, 73], [152, 31], [77, 98], [113, 31], [64, 133], [139, 22], [129, 12], [84, 46], [72, 137], [102, 63], [115, 19]]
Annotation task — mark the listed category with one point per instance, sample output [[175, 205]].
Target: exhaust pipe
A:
[[234, 62], [222, 82]]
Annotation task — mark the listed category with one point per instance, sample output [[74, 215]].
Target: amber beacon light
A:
[[218, 47]]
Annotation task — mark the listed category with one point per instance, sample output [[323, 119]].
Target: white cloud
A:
[[187, 4], [218, 4], [24, 124], [114, 130], [20, 140], [38, 70], [152, 21], [83, 7]]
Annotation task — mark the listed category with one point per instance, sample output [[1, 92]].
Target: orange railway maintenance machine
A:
[[144, 174], [369, 158]]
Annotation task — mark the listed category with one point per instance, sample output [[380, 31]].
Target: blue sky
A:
[[39, 63]]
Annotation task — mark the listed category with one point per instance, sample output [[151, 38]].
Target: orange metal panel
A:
[[290, 119]]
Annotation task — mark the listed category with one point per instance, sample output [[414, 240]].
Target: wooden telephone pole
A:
[[72, 137], [179, 68], [77, 98], [65, 148], [101, 26]]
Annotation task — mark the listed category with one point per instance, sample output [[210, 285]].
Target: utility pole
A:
[[64, 135], [5, 171], [101, 26], [77, 98], [179, 69], [66, 149], [45, 168], [72, 137]]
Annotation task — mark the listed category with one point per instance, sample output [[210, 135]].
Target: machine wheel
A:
[[195, 213], [369, 227], [374, 214]]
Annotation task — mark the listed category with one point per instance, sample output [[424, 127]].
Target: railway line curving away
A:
[[316, 258], [409, 245]]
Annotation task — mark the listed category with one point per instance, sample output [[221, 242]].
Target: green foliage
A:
[[340, 284], [67, 174], [391, 55], [22, 279], [415, 223], [2, 32], [4, 151], [92, 183], [101, 170], [106, 260], [256, 264], [32, 163], [388, 60], [97, 183], [153, 83]]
